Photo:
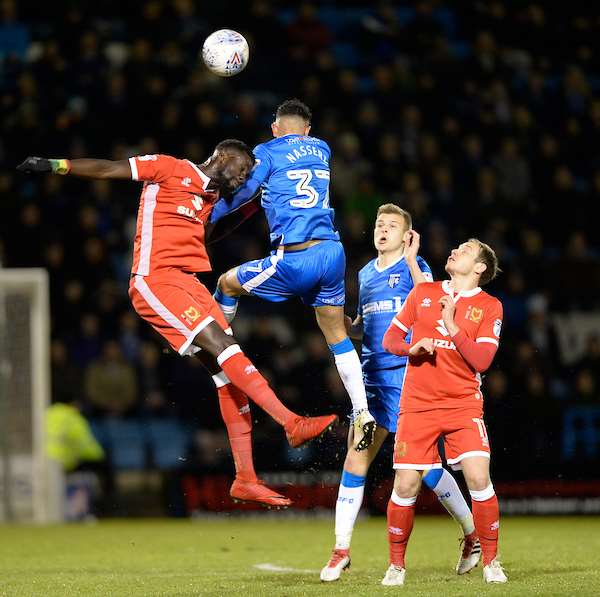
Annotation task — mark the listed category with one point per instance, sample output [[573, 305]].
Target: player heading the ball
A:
[[308, 259]]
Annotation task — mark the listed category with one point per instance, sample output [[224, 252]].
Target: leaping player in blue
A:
[[384, 284], [308, 259]]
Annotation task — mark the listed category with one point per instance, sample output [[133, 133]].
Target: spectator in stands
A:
[[591, 358], [66, 376], [151, 381], [586, 389], [110, 382]]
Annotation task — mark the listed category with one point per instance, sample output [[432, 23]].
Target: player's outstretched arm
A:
[[85, 167]]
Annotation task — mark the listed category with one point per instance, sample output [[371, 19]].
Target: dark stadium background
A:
[[481, 118]]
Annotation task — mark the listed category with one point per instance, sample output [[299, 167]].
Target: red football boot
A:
[[302, 429], [469, 554], [256, 491]]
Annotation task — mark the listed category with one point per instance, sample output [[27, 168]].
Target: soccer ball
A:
[[225, 52]]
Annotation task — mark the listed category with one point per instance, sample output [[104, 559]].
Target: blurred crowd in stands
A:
[[480, 118]]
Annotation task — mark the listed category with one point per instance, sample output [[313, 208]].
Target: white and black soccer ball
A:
[[225, 52]]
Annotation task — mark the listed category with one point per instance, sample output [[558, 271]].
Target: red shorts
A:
[[177, 305], [416, 444]]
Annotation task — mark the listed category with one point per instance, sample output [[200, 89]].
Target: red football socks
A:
[[400, 523], [235, 411], [244, 375], [486, 515]]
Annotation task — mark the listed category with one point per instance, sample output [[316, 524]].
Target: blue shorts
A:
[[316, 275], [383, 395]]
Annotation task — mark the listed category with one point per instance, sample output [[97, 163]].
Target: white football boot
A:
[[493, 573], [338, 562], [470, 553], [364, 430], [394, 577]]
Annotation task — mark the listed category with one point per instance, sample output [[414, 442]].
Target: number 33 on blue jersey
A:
[[304, 188]]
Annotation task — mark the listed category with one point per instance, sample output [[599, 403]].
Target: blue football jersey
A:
[[293, 172], [382, 293]]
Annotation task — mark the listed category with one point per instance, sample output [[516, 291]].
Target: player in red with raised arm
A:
[[455, 333], [176, 201]]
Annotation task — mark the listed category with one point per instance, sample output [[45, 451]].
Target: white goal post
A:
[[31, 487]]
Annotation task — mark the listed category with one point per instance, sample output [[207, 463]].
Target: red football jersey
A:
[[174, 205], [444, 379]]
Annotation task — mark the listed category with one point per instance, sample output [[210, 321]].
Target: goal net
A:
[[30, 485]]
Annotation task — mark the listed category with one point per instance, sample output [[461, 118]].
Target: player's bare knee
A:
[[226, 283], [476, 472], [406, 486], [477, 481], [213, 339], [331, 322], [331, 315], [406, 490]]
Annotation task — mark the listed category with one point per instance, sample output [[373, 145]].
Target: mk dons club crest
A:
[[394, 280], [190, 314], [476, 315]]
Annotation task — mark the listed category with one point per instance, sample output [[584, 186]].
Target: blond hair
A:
[[391, 208], [487, 255]]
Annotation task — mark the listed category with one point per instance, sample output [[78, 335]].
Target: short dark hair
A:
[[488, 256], [236, 145], [294, 107]]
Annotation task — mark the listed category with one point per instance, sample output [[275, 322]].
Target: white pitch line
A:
[[268, 567]]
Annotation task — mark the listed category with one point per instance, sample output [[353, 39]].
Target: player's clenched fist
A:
[[412, 242], [448, 311], [37, 164], [423, 346]]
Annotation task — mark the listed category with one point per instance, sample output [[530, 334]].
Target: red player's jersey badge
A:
[[476, 315]]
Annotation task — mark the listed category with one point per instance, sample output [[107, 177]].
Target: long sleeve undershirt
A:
[[478, 355]]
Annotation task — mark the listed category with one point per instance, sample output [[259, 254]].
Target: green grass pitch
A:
[[543, 556]]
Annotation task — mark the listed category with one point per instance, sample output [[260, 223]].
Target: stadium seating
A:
[[581, 432], [136, 444], [168, 440]]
